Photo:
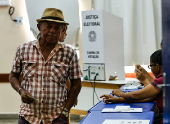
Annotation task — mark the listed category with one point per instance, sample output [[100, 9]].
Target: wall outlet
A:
[[19, 20], [5, 3]]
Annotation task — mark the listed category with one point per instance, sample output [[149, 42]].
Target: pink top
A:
[[159, 98]]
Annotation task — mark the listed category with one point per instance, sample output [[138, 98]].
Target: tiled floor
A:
[[8, 121], [15, 121]]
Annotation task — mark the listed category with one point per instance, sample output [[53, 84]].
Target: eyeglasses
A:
[[149, 66]]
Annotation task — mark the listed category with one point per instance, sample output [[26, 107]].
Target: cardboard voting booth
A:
[[103, 45]]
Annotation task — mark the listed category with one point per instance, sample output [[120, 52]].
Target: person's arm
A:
[[111, 99], [122, 100], [147, 92], [68, 84], [146, 82], [14, 80], [68, 88], [73, 92], [75, 81], [75, 74], [14, 77]]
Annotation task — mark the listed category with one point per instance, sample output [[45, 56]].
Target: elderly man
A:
[[46, 65]]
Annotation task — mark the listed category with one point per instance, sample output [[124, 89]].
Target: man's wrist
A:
[[122, 94], [19, 90], [65, 112]]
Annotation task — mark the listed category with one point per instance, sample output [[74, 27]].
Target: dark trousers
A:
[[22, 120], [158, 119]]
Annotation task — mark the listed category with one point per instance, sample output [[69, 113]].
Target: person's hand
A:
[[140, 76], [144, 72], [117, 92], [142, 84], [24, 96], [140, 68], [109, 99], [63, 117], [75, 103]]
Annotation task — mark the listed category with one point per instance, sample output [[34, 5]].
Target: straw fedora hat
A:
[[52, 14]]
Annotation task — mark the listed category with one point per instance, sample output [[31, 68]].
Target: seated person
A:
[[145, 73], [149, 92]]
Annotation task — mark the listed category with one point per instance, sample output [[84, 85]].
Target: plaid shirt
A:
[[45, 80]]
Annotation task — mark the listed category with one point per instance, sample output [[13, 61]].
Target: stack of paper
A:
[[109, 121], [122, 109]]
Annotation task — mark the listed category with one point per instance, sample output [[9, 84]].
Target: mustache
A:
[[51, 35]]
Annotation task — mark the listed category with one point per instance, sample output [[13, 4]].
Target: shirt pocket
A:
[[60, 73], [29, 68]]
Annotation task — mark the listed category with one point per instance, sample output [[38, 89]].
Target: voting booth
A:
[[103, 45]]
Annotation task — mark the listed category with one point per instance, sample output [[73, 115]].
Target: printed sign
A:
[[92, 34]]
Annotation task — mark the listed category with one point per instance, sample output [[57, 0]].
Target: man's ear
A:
[[158, 66], [38, 26]]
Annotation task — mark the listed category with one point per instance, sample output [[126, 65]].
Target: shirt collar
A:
[[58, 46], [160, 75]]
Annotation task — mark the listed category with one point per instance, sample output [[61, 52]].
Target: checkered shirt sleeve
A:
[[74, 71], [16, 65]]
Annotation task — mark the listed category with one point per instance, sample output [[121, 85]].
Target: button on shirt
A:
[[45, 80]]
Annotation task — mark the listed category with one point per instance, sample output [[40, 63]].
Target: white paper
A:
[[122, 108], [131, 110], [111, 121], [130, 87]]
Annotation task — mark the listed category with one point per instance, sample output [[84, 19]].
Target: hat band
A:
[[54, 18]]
